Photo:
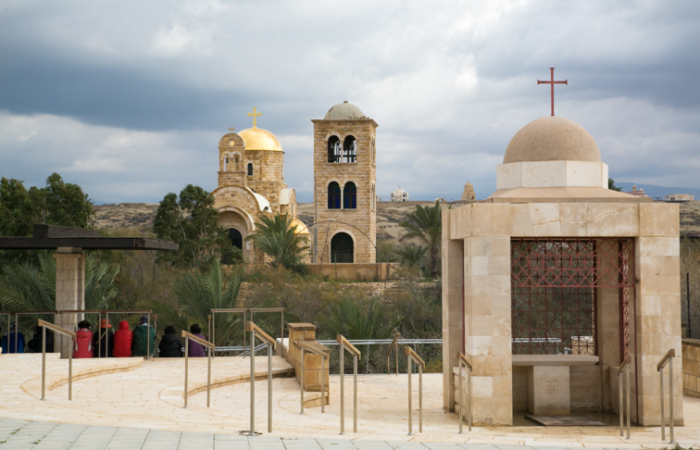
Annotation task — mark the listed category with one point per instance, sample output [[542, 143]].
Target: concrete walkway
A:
[[22, 435]]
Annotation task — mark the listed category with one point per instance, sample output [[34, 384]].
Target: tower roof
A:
[[344, 111], [260, 139], [552, 138]]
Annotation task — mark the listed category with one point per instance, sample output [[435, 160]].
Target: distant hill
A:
[[653, 190], [139, 216]]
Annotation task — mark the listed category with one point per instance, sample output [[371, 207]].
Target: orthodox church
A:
[[251, 184]]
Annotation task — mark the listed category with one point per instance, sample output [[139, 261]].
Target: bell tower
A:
[[345, 179]]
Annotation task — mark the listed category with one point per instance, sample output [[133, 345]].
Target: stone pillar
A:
[[313, 371], [452, 309], [70, 293], [487, 304], [657, 256]]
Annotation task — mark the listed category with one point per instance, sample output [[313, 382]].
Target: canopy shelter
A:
[[69, 244]]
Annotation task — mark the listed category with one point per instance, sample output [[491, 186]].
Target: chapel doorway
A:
[[236, 238], [342, 249]]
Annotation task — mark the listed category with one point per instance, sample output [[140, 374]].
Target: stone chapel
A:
[[251, 184], [554, 280]]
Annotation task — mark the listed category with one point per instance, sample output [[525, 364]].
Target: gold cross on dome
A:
[[231, 129], [255, 115]]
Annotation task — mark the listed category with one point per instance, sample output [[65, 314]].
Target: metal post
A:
[[107, 340], [281, 329], [354, 394], [70, 369], [368, 358], [213, 331], [269, 388], [670, 386], [461, 398], [302, 381], [155, 327], [43, 362], [342, 389], [629, 416], [148, 336], [16, 332], [420, 398], [252, 384], [244, 315], [663, 416], [187, 363], [469, 389], [8, 331], [410, 421], [687, 292], [99, 340], [621, 405], [397, 358], [323, 384], [209, 352]]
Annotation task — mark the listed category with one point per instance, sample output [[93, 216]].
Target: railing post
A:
[[99, 338], [323, 384], [670, 401], [155, 327], [252, 383], [187, 364], [410, 370], [107, 339], [469, 389], [213, 332], [269, 388], [663, 416], [148, 336], [461, 398], [43, 361], [420, 398], [209, 356], [354, 393], [302, 381], [621, 404], [70, 369], [629, 415], [342, 389]]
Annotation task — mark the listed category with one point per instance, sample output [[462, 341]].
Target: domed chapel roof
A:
[[258, 139], [552, 138], [344, 111]]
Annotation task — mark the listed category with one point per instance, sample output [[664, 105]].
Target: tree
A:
[[17, 213], [611, 185], [358, 319], [276, 237], [191, 222], [425, 224], [30, 287], [196, 293], [411, 254]]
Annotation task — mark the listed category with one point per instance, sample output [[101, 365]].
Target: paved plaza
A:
[[130, 403]]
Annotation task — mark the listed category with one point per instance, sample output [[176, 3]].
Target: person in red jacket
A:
[[83, 341], [122, 340]]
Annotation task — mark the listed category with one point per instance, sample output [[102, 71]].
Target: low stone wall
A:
[[691, 367], [354, 272]]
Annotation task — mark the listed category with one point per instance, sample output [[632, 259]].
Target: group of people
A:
[[120, 344]]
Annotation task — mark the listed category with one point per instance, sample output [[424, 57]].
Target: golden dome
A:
[[300, 227], [258, 139], [552, 138]]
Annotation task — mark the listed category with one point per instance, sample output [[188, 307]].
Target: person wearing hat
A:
[[144, 338], [100, 340]]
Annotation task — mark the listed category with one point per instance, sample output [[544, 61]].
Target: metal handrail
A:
[[624, 369], [187, 335], [245, 312], [667, 359], [412, 356], [346, 345], [303, 346], [17, 313], [394, 344], [463, 362], [256, 332], [44, 325]]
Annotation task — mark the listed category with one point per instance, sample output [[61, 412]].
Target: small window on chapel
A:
[[250, 169]]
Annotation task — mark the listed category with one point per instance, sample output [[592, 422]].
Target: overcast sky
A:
[[129, 98]]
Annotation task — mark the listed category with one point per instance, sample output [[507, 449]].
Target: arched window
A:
[[225, 162], [342, 249], [350, 196], [334, 151], [374, 153], [374, 197], [350, 149], [236, 238], [334, 196], [250, 169]]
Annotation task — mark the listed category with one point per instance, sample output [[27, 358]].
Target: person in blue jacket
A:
[[20, 341]]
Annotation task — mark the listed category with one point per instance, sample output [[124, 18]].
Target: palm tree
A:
[[196, 294], [277, 238], [411, 254], [358, 319], [425, 224]]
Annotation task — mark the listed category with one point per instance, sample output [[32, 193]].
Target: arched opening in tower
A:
[[342, 248]]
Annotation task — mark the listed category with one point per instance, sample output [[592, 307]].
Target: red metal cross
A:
[[552, 83]]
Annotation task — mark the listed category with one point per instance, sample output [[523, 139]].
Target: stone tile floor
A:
[[131, 403]]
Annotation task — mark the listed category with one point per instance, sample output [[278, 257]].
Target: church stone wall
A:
[[362, 173]]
